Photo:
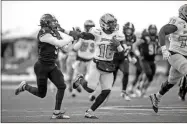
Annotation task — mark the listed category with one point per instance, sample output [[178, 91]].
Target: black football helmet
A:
[[128, 29], [152, 29], [48, 20]]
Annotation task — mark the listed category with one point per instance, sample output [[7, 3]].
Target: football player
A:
[[85, 49], [50, 39], [102, 67], [176, 54], [123, 63], [71, 58], [183, 88], [148, 47]]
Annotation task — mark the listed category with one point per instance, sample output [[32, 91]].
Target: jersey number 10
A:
[[108, 54]]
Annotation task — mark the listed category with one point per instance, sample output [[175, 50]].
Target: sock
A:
[[59, 98], [159, 96], [56, 111]]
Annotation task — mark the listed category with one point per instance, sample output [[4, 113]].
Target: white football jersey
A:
[[87, 49], [178, 39], [103, 49]]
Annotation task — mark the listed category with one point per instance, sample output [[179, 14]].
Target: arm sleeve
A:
[[165, 30], [48, 38]]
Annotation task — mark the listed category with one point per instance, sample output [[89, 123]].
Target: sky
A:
[[23, 17]]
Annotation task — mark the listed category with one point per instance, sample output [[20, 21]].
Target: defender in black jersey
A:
[[148, 47], [50, 39], [123, 63]]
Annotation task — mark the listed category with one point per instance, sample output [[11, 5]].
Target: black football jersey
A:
[[148, 49], [46, 52]]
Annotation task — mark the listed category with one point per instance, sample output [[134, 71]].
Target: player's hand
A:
[[166, 54], [75, 34], [115, 42]]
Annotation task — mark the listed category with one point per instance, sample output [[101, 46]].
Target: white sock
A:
[[159, 96], [56, 111]]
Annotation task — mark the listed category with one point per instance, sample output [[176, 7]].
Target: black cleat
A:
[[154, 101], [76, 82]]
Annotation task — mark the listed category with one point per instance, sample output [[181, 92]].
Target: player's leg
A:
[[41, 72], [69, 70], [57, 78], [89, 83], [149, 76], [106, 81], [177, 70], [137, 78], [124, 67], [183, 88]]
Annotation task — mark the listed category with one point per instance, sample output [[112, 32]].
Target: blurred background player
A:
[[148, 47], [176, 54], [50, 39], [71, 58], [123, 63], [102, 66], [85, 49]]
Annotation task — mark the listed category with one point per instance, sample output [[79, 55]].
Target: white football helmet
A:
[[108, 23]]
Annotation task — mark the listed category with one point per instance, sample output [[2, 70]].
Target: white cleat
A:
[[125, 96], [21, 87], [60, 116]]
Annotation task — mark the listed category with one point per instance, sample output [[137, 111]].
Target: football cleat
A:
[[60, 116], [21, 87], [125, 96], [76, 82], [89, 114], [79, 89], [154, 101]]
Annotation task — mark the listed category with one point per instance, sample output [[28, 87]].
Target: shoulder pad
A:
[[95, 31], [176, 21]]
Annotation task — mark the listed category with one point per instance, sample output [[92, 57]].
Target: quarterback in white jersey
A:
[[176, 54], [107, 43]]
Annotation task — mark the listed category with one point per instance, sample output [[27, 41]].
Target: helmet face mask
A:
[[152, 29], [183, 12], [128, 29], [48, 20], [108, 23]]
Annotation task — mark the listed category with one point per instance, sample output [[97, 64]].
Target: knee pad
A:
[[165, 87]]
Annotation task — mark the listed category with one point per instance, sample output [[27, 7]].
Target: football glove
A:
[[115, 42], [166, 54]]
